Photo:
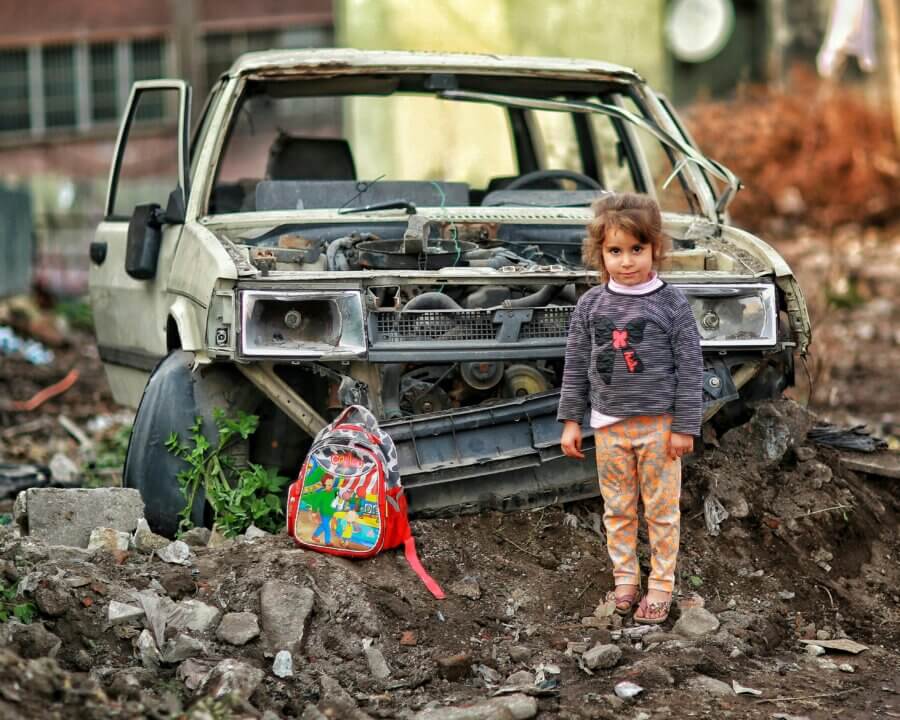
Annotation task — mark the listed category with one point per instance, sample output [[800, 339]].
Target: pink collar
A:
[[648, 286]]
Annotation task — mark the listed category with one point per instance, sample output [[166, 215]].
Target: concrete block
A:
[[67, 516]]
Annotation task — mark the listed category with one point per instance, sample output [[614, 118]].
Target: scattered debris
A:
[[627, 690], [841, 645], [852, 438], [741, 690]]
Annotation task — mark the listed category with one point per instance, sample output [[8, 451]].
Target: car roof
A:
[[340, 61]]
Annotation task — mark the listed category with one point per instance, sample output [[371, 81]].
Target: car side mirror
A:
[[144, 239]]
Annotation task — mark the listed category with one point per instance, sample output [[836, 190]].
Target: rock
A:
[[146, 645], [696, 623], [771, 432], [377, 664], [51, 601], [522, 678], [67, 516], [311, 712], [490, 676], [467, 588], [285, 610], [711, 686], [627, 690], [815, 650], [804, 454], [120, 613], [238, 628], [145, 540], [284, 664], [176, 552], [193, 673], [254, 533], [823, 635], [817, 473], [233, 676], [454, 667], [29, 641], [519, 653], [509, 707], [177, 582], [602, 656], [846, 667], [196, 537], [824, 664], [194, 615], [108, 539], [181, 647], [64, 470]]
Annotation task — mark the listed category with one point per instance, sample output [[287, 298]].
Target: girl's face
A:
[[626, 259]]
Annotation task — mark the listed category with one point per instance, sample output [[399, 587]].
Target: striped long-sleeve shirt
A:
[[629, 355]]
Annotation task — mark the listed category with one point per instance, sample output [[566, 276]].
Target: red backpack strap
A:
[[409, 549]]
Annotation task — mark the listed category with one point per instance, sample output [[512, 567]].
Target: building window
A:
[[14, 109], [103, 73], [60, 88]]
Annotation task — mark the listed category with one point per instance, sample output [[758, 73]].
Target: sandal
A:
[[626, 603], [652, 613]]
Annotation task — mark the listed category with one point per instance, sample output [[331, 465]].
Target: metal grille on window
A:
[[14, 111], [104, 103], [60, 101]]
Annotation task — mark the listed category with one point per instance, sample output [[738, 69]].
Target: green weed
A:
[[238, 497], [25, 611]]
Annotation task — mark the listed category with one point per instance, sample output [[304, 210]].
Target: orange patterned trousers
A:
[[632, 461]]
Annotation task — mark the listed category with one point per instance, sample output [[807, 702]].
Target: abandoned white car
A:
[[403, 230]]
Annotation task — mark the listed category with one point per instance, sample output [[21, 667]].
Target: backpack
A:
[[347, 499]]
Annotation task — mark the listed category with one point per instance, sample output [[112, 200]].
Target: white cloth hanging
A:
[[851, 31]]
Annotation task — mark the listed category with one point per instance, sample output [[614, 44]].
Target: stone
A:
[[824, 664], [144, 540], [51, 600], [815, 650], [194, 615], [29, 641], [846, 667], [120, 613], [377, 664], [602, 656], [149, 653], [177, 582], [254, 533], [823, 635], [509, 707], [238, 628], [233, 676], [64, 470], [454, 667], [196, 537], [67, 516], [180, 648], [627, 690], [711, 686], [285, 610], [696, 623], [108, 540], [284, 664], [804, 454], [193, 673], [522, 678], [467, 588], [176, 552], [519, 653]]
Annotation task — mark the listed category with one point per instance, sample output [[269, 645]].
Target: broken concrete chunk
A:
[[233, 676], [148, 651], [181, 647], [177, 553], [196, 536], [68, 516], [284, 613], [255, 533], [194, 615], [145, 540], [238, 628], [377, 664], [513, 707], [284, 664], [108, 539], [193, 673], [710, 685], [121, 613], [696, 623], [602, 656]]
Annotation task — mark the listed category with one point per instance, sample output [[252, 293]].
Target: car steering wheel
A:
[[536, 176]]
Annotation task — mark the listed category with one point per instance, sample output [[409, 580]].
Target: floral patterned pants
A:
[[632, 461]]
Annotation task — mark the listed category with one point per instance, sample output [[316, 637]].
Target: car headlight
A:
[[734, 316], [302, 325]]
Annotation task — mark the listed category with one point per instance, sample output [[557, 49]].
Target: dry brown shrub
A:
[[815, 153]]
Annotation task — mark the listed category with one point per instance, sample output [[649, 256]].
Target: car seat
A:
[[303, 158]]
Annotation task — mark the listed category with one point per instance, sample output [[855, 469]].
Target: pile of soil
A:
[[812, 153], [808, 551]]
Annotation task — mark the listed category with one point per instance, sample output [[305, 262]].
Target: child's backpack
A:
[[348, 499]]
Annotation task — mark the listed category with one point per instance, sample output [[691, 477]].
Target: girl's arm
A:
[[688, 414], [573, 396]]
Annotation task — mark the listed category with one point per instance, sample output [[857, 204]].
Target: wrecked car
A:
[[403, 230]]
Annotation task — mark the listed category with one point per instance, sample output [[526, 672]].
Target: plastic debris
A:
[[284, 664], [714, 513], [31, 350], [741, 690], [627, 690], [852, 438]]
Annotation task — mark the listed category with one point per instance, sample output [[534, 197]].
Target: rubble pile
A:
[[812, 153], [789, 605]]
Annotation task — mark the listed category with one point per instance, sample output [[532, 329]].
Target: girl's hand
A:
[[680, 444], [571, 440]]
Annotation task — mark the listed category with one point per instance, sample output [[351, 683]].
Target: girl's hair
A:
[[638, 215]]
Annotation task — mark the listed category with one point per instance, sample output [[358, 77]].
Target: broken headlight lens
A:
[[734, 316], [302, 325]]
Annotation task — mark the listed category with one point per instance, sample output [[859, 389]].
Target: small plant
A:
[[9, 608], [238, 497], [110, 457]]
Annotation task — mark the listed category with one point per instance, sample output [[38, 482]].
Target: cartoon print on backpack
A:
[[605, 331]]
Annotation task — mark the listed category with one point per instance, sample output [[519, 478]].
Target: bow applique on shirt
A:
[[605, 331]]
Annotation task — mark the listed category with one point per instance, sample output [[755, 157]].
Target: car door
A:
[[132, 252]]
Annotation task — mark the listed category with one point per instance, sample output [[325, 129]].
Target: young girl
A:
[[633, 357]]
